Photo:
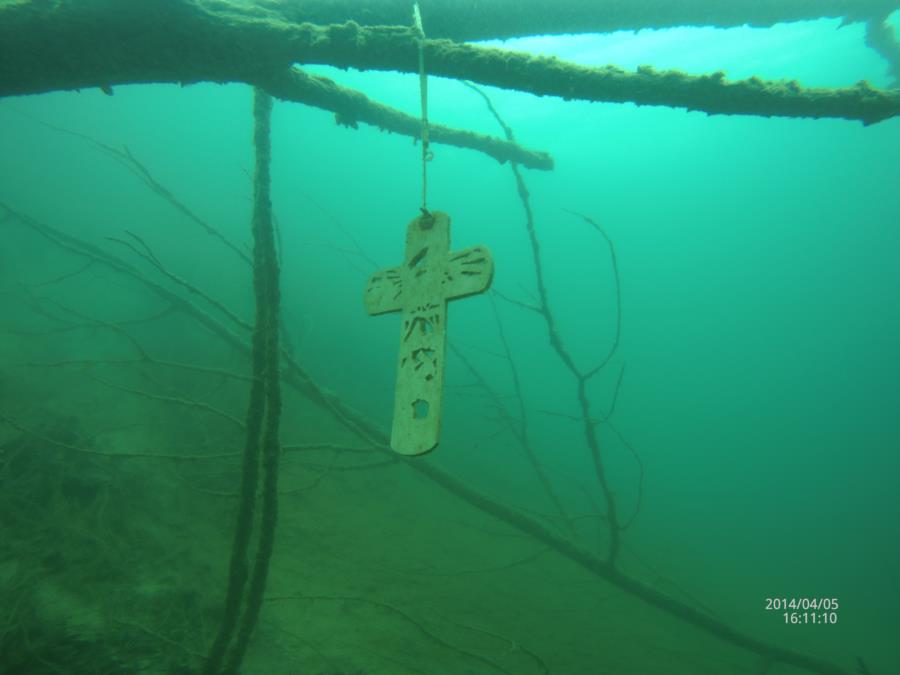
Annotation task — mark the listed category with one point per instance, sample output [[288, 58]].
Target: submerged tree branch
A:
[[98, 44], [515, 18], [351, 106], [391, 49]]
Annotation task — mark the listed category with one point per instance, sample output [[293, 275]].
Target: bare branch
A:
[[351, 107]]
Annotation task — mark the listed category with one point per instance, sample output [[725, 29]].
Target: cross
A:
[[419, 289]]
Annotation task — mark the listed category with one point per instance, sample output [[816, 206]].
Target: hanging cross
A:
[[419, 289]]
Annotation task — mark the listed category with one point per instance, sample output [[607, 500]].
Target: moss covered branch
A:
[[515, 18], [383, 48], [351, 107], [70, 47]]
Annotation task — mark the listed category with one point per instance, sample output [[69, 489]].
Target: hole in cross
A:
[[420, 409]]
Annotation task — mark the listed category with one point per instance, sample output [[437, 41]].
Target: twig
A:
[[140, 361], [556, 342], [617, 286], [397, 612], [325, 470], [138, 169], [530, 558], [148, 255], [518, 303], [162, 638], [640, 464], [328, 447], [84, 268], [172, 400], [514, 645], [113, 455], [363, 466]]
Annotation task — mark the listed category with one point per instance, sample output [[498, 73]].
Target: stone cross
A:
[[419, 289]]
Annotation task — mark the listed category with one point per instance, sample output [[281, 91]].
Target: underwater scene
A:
[[352, 338]]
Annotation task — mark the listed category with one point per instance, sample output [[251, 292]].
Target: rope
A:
[[423, 89]]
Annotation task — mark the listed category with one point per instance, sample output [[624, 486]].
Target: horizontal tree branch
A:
[[515, 18], [351, 106], [386, 48], [180, 41]]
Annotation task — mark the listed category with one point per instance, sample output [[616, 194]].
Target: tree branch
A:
[[517, 18], [100, 43], [351, 106]]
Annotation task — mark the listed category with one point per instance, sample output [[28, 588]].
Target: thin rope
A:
[[423, 89]]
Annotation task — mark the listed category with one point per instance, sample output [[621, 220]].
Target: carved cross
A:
[[419, 289]]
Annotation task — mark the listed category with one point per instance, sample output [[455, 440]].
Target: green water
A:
[[761, 386]]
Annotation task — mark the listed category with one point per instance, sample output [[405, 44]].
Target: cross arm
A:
[[384, 292], [469, 272]]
